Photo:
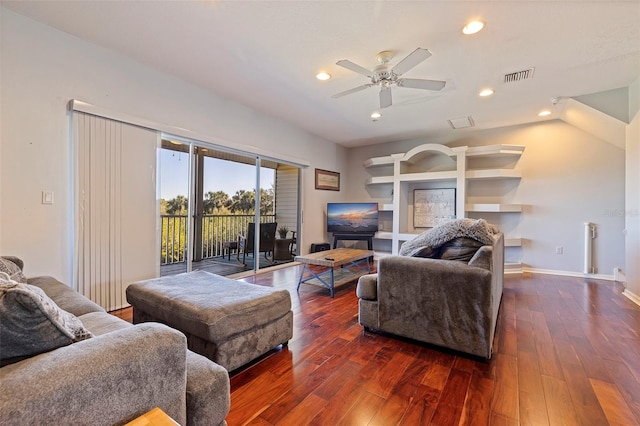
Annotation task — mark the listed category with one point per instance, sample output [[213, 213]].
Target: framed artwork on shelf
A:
[[327, 180], [433, 207]]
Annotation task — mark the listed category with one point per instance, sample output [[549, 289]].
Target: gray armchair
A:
[[448, 303]]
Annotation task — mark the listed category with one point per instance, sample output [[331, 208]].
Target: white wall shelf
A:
[[494, 208], [379, 161], [376, 180], [513, 242], [415, 170], [493, 174], [495, 150]]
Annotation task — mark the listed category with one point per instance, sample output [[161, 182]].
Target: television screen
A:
[[352, 218]]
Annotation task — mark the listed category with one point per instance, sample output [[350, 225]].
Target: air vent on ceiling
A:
[[518, 75], [461, 123]]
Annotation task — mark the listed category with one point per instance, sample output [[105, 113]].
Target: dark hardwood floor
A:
[[566, 352]]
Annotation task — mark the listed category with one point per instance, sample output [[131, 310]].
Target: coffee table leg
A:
[[317, 276], [304, 266], [331, 282]]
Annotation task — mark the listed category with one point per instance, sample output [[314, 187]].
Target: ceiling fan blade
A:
[[350, 91], [416, 83], [345, 63], [385, 97], [411, 60]]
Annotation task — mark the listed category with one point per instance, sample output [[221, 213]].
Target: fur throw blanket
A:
[[429, 241]]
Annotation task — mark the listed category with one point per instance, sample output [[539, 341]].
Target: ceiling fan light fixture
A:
[[486, 92], [375, 115], [473, 27], [323, 76]]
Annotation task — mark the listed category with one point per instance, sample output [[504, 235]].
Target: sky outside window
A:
[[219, 175]]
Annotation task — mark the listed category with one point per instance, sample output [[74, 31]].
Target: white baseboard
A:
[[631, 296], [568, 274]]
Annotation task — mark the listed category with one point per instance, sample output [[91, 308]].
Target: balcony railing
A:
[[216, 229]]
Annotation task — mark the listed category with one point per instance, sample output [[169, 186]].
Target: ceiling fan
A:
[[385, 75]]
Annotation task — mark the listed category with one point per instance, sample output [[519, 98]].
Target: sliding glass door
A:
[[174, 173], [243, 210]]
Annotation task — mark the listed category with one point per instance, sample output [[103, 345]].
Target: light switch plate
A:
[[47, 197]]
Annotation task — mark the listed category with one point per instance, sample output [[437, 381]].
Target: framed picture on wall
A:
[[433, 207], [327, 180]]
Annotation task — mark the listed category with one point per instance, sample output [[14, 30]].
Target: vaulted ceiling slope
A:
[[265, 54]]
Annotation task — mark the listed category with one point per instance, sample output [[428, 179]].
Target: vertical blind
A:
[[115, 225], [286, 193]]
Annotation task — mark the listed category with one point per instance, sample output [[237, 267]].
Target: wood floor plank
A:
[[477, 405], [505, 393], [422, 407], [303, 412], [384, 380], [452, 400], [558, 400], [585, 402], [532, 405], [363, 410], [613, 404], [565, 352], [341, 403]]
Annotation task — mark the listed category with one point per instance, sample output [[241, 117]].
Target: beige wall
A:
[[42, 69], [632, 208], [568, 177]]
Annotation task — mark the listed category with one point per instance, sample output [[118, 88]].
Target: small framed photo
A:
[[327, 180]]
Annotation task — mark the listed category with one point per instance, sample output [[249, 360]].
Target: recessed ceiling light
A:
[[544, 113], [473, 27], [323, 76], [486, 92], [376, 115]]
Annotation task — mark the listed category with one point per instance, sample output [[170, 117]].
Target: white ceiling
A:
[[265, 54]]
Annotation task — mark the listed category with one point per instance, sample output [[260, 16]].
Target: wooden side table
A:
[[227, 246], [155, 417], [282, 249]]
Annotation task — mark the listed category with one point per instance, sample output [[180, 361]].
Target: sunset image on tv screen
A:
[[352, 217]]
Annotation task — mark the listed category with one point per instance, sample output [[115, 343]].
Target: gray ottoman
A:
[[228, 321]]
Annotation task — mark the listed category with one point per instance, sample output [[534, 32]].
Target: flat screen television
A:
[[352, 218]]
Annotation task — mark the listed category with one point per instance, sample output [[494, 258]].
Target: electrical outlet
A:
[[559, 250]]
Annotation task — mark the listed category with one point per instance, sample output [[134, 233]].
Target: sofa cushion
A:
[[99, 323], [32, 323], [483, 258], [461, 248], [12, 270], [64, 296]]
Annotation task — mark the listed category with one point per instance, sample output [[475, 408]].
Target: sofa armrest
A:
[[208, 391], [106, 380], [367, 287]]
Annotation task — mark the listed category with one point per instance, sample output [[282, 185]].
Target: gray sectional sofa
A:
[[120, 373], [450, 302]]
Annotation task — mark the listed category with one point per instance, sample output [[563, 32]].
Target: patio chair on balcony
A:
[[266, 242]]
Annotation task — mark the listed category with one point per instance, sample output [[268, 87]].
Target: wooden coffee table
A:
[[345, 258]]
